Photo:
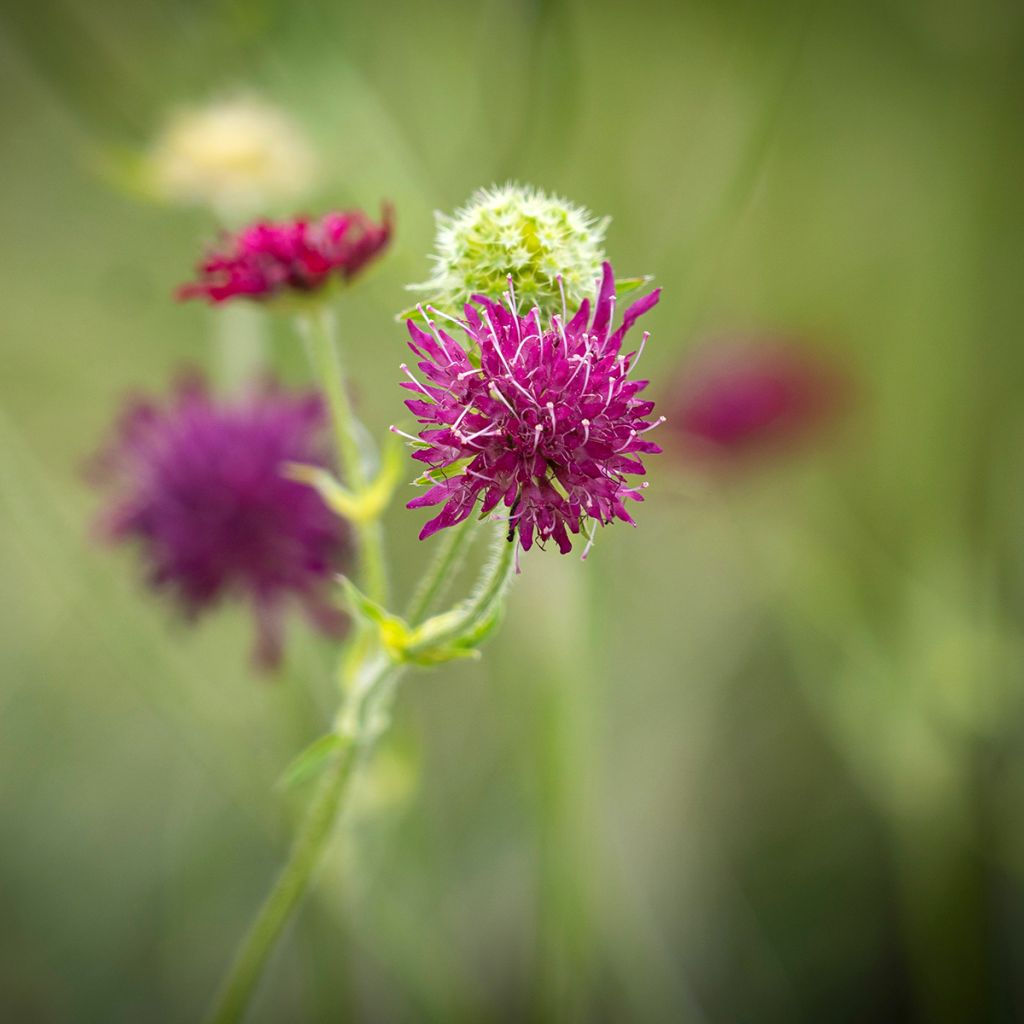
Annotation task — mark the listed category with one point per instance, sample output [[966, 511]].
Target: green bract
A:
[[518, 231]]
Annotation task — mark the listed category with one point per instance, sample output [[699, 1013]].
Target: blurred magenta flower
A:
[[200, 486], [544, 420], [741, 396], [298, 256]]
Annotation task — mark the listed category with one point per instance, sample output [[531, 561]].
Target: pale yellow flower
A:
[[237, 155]]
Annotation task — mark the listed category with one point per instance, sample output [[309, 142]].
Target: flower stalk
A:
[[244, 975], [535, 411], [361, 721], [318, 326], [448, 559]]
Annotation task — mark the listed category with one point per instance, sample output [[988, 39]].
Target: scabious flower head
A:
[[237, 155], [200, 486], [540, 416], [517, 231], [296, 257], [738, 397]]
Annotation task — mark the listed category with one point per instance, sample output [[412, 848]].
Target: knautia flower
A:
[[201, 486], [298, 256], [736, 397], [520, 232], [237, 155], [540, 416]]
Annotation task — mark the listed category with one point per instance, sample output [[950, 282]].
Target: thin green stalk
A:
[[293, 882], [291, 885], [493, 582], [447, 560], [319, 328]]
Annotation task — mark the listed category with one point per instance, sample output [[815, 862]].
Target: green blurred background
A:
[[761, 759]]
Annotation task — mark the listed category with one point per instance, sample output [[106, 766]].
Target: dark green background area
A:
[[761, 759]]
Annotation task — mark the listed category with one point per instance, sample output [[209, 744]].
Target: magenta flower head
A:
[[544, 419], [299, 257], [200, 486], [743, 396]]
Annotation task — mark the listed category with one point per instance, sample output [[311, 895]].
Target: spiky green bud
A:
[[518, 231]]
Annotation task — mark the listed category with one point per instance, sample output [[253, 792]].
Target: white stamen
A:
[[497, 344], [657, 423], [513, 304], [462, 416], [586, 430], [405, 369], [440, 312], [551, 413], [639, 352], [516, 384], [495, 393], [402, 433], [561, 288], [590, 544], [561, 331], [537, 431], [488, 431], [625, 444]]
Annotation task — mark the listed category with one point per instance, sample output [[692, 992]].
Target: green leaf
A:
[[356, 506], [410, 313], [310, 761], [435, 476], [630, 284]]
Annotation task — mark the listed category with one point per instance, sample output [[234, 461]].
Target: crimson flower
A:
[[299, 256], [199, 486], [544, 420], [741, 396]]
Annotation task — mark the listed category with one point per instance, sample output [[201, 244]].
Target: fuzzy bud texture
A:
[[522, 232]]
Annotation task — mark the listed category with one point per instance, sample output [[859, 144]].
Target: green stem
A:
[[319, 328], [493, 582], [291, 885], [238, 987], [447, 560]]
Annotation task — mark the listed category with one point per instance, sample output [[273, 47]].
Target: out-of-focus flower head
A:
[[742, 396], [540, 416], [297, 257], [200, 486], [538, 239], [237, 155]]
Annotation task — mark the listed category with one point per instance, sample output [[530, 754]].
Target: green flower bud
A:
[[518, 231]]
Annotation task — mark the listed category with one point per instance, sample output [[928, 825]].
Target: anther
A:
[[657, 423], [402, 433]]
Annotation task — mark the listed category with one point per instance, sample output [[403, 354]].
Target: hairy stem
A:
[[493, 582], [320, 330], [446, 563]]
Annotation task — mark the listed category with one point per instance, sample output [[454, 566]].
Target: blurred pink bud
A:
[[743, 396]]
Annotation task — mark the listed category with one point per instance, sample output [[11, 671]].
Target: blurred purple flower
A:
[[546, 420], [199, 485], [266, 259], [740, 396]]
